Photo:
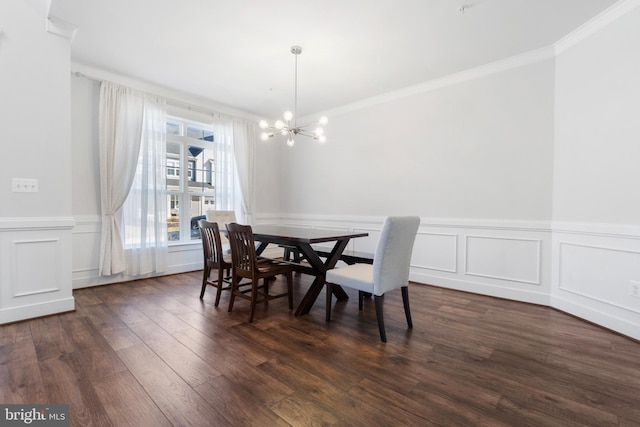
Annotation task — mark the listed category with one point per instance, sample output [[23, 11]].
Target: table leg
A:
[[318, 283]]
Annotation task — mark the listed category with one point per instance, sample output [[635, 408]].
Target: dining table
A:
[[334, 242]]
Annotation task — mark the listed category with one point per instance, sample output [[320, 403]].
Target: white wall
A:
[[35, 228], [477, 149], [596, 244]]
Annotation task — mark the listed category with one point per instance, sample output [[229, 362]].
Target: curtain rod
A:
[[170, 101]]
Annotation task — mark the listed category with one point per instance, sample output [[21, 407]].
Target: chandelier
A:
[[289, 126]]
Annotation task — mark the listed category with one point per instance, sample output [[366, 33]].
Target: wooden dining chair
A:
[[390, 269], [214, 259], [245, 264]]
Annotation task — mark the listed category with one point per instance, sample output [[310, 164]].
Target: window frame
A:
[[184, 174]]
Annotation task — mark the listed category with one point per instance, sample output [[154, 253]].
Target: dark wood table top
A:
[[285, 233]]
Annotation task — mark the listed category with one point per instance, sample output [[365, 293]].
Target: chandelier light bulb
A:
[[264, 136], [284, 131], [279, 124], [318, 131], [290, 142], [322, 138], [288, 115], [323, 120], [263, 124]]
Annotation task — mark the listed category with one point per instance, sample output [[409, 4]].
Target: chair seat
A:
[[266, 267], [356, 276]]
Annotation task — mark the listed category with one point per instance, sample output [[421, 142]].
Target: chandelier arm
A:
[[314, 123], [305, 132]]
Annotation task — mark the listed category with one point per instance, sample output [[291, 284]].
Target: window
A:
[[190, 177]]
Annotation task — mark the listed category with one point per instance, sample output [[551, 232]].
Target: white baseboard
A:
[[14, 314], [597, 316], [523, 295]]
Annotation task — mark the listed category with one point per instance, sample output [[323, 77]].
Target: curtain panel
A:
[[226, 181], [245, 135], [120, 129], [145, 210], [132, 138]]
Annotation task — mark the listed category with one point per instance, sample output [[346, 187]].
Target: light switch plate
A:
[[24, 185]]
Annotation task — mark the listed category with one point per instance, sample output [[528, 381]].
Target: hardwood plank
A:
[[86, 297], [126, 402], [95, 354], [193, 369], [20, 377], [262, 384], [298, 411], [236, 404], [49, 337], [14, 332], [179, 403], [67, 381]]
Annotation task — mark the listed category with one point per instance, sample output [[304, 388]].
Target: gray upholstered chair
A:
[[390, 269]]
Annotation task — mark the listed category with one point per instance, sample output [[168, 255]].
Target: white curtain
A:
[[120, 128], [227, 190], [245, 135], [145, 210]]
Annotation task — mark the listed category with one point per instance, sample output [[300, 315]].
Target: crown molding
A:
[[61, 28], [450, 80], [595, 24]]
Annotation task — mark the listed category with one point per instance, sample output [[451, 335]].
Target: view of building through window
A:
[[190, 177]]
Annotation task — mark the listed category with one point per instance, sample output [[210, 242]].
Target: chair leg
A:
[[266, 290], [219, 290], [360, 299], [254, 298], [405, 302], [328, 304], [234, 286], [205, 276], [290, 289], [380, 317]]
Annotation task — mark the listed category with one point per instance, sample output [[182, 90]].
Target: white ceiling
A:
[[237, 52]]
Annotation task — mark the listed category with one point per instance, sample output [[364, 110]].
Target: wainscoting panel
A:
[[35, 267], [434, 251], [602, 274], [510, 259], [594, 266]]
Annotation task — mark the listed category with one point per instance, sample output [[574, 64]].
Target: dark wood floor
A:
[[150, 353]]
